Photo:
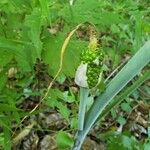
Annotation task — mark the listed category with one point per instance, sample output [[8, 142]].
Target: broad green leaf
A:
[[45, 9], [126, 107], [26, 58], [130, 70], [113, 113], [9, 45], [54, 100], [12, 25], [90, 11], [121, 120], [74, 123], [51, 54], [34, 23], [5, 58], [121, 141], [64, 111], [16, 49], [68, 97], [51, 99], [20, 5], [64, 140], [7, 108]]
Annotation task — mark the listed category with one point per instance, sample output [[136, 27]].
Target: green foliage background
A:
[[24, 36]]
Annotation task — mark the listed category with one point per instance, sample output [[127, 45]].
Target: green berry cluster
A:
[[93, 72], [89, 55], [93, 69]]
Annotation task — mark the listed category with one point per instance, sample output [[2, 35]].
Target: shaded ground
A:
[[43, 126]]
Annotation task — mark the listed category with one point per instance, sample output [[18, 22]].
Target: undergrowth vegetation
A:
[[43, 44]]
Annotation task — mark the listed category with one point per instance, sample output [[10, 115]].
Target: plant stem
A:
[[84, 92]]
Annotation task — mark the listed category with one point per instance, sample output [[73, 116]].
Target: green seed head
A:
[[93, 58], [93, 72]]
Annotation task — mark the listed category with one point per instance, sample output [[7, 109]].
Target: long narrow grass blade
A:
[[84, 92], [130, 70], [126, 93]]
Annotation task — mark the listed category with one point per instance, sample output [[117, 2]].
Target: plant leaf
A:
[[126, 93], [64, 140], [34, 23], [131, 69], [13, 48], [51, 55]]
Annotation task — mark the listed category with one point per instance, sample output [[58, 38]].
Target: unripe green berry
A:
[[93, 58]]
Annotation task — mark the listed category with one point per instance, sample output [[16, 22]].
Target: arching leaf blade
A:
[[130, 70]]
